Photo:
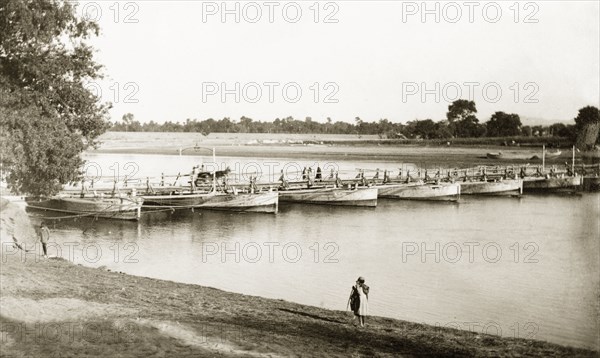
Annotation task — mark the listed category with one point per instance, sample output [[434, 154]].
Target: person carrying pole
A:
[[44, 236]]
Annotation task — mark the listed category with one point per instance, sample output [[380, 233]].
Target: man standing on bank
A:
[[44, 235], [359, 300]]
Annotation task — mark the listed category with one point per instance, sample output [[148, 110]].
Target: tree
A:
[[442, 130], [462, 120], [460, 110], [556, 128], [587, 127], [47, 115], [503, 125], [127, 120], [424, 129], [246, 123], [469, 127]]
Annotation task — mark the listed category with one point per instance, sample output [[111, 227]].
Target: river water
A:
[[518, 267]]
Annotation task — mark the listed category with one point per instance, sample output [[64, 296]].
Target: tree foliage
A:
[[587, 127], [462, 123], [427, 129], [384, 128], [587, 115], [460, 110], [48, 116], [462, 120], [503, 125]]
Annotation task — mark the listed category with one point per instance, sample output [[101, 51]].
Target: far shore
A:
[[423, 156], [457, 153]]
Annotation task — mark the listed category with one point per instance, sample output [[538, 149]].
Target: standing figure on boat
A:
[[193, 177], [568, 168], [538, 171], [309, 181], [522, 173], [253, 187], [338, 181], [363, 180], [284, 183], [386, 177], [318, 176]]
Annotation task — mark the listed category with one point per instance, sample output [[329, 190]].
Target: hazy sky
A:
[[398, 60]]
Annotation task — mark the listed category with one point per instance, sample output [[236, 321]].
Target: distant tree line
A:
[[461, 122]]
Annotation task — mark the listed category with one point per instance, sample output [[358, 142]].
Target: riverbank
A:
[[426, 154], [53, 308]]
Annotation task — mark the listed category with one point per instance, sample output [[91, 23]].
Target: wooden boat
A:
[[266, 202], [553, 154], [492, 187], [552, 184], [494, 155], [364, 196], [120, 207], [420, 191]]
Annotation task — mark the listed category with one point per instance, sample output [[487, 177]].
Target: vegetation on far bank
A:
[[520, 141], [460, 126]]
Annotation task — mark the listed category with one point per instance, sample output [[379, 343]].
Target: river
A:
[[517, 267]]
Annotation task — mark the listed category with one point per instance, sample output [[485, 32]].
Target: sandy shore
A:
[[53, 308], [423, 156]]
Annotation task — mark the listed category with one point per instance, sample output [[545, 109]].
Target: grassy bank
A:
[[52, 308]]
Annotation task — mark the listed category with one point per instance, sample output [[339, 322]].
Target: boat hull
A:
[[122, 208], [552, 184], [331, 196], [177, 200], [265, 202], [444, 192], [492, 188]]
